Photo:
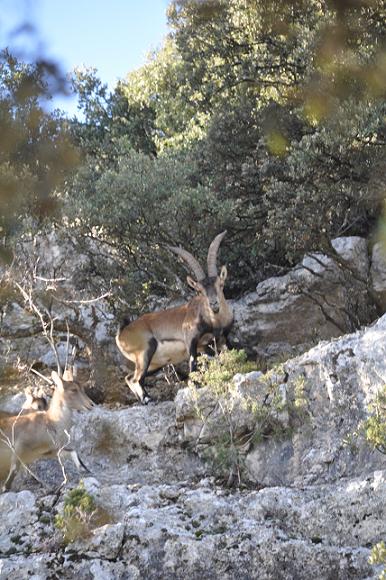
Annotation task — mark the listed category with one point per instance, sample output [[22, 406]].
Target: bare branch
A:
[[47, 327], [49, 381], [90, 301], [59, 452]]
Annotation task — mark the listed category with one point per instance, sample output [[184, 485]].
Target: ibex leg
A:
[[193, 355], [137, 384], [72, 454], [14, 468]]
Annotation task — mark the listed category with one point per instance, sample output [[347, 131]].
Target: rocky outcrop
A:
[[314, 506], [201, 531], [324, 395], [321, 298]]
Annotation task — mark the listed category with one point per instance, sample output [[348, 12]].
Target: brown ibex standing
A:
[[176, 334], [41, 434]]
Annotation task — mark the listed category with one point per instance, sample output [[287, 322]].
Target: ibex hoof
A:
[[146, 399]]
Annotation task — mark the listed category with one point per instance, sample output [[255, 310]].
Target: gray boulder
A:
[[317, 300]]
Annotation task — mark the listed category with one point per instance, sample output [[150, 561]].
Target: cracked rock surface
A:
[[314, 507], [321, 297]]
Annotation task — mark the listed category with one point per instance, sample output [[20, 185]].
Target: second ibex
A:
[[177, 334]]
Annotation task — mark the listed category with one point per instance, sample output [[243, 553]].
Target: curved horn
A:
[[191, 261], [212, 254]]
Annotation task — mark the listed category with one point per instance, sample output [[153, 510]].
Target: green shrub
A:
[[227, 449], [378, 556], [375, 426], [80, 515], [217, 372], [372, 429]]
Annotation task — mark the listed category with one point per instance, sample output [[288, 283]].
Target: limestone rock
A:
[[315, 301], [202, 531], [335, 382], [316, 403], [14, 528], [314, 506], [134, 443]]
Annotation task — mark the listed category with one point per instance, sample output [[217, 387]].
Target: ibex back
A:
[[40, 434], [177, 334]]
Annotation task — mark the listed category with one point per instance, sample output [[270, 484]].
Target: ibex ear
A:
[[193, 284], [57, 380], [223, 275]]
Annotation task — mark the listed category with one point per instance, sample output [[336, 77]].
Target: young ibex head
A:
[[43, 433], [70, 393]]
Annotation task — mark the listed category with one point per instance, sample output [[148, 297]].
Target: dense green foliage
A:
[[35, 150], [264, 118], [267, 119]]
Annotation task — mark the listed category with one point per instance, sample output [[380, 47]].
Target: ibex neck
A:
[[59, 412]]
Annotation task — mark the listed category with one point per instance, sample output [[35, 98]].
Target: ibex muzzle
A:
[[177, 334], [41, 434]]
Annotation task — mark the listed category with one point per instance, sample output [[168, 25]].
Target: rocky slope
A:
[[320, 298], [314, 506]]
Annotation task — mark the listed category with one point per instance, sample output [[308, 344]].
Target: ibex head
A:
[[70, 393], [211, 285]]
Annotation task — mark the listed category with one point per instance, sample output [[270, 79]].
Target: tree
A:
[[107, 117], [267, 119], [35, 150]]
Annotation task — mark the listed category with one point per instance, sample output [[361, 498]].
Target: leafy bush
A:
[[217, 372]]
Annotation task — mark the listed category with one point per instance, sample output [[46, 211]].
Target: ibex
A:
[[177, 334], [41, 434]]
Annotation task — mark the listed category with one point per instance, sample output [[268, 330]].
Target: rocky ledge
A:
[[314, 503]]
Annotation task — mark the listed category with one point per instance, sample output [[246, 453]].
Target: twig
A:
[[48, 335], [90, 301], [49, 381], [49, 280]]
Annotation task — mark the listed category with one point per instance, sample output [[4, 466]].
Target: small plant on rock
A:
[[378, 557], [226, 454], [372, 429], [217, 372], [236, 419], [375, 426], [80, 515]]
